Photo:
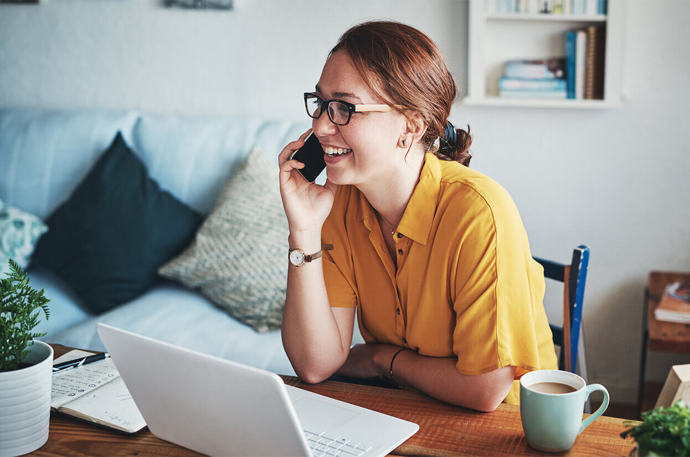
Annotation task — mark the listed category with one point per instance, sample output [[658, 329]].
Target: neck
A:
[[389, 195]]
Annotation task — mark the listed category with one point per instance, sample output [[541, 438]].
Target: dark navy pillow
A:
[[108, 239]]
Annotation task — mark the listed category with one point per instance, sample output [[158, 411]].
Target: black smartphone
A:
[[311, 155]]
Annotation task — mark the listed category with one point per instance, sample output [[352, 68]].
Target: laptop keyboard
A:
[[323, 445]]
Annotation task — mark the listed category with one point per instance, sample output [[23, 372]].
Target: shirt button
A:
[[400, 252], [400, 235], [405, 340], [397, 311]]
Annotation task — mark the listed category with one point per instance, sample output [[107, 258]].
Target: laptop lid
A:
[[205, 403]]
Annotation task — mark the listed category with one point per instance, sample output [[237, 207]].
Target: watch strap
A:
[[314, 256], [309, 257]]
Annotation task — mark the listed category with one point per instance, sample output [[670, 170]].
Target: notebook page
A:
[[72, 355], [110, 405], [72, 384]]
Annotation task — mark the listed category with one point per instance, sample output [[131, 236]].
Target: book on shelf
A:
[[576, 61], [533, 84], [535, 68], [574, 7], [584, 62], [674, 305], [570, 44], [595, 60], [580, 62], [533, 78], [96, 393]]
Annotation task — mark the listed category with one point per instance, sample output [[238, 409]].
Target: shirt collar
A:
[[419, 213]]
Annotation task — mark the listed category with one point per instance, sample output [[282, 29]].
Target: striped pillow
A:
[[238, 258]]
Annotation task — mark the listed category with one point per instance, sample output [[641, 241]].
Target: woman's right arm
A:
[[316, 337]]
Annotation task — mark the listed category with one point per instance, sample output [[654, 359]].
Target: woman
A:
[[432, 253]]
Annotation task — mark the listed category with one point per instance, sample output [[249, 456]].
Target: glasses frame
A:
[[351, 108]]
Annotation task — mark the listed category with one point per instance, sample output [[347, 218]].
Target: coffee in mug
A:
[[551, 408], [552, 388]]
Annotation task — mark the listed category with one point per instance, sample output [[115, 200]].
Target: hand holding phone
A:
[[311, 155]]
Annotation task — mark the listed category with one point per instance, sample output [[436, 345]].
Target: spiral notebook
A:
[[95, 393]]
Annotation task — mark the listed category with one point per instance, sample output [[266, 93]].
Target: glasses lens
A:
[[338, 112], [313, 105]]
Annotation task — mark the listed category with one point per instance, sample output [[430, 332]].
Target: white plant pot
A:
[[25, 403]]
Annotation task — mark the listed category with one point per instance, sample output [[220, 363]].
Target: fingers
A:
[[291, 147], [290, 165], [286, 174]]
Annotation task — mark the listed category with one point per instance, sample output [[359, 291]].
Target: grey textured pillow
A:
[[238, 258]]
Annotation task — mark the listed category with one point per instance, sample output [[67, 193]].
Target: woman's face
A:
[[365, 150]]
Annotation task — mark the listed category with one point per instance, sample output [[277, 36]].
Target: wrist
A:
[[383, 358], [307, 240], [390, 374]]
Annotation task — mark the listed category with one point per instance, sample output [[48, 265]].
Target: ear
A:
[[415, 127]]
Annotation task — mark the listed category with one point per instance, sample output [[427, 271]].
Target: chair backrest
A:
[[573, 277]]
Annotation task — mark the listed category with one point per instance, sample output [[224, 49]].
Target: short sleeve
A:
[[338, 269], [499, 289], [339, 289]]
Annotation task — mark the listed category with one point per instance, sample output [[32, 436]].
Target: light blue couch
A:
[[45, 154]]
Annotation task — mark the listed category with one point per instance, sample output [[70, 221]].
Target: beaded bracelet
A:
[[390, 368]]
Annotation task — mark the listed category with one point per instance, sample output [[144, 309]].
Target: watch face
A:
[[296, 257]]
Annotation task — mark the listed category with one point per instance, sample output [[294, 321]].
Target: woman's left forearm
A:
[[438, 377]]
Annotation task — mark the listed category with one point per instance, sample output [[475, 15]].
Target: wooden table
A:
[[658, 335], [444, 430]]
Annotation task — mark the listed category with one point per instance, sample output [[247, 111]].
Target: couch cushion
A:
[[238, 257], [107, 241], [19, 232], [45, 154], [171, 313]]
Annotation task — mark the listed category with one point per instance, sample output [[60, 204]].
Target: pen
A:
[[59, 367]]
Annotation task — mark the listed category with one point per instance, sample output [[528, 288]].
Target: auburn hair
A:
[[402, 66]]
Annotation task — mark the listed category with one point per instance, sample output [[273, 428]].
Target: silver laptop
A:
[[219, 407]]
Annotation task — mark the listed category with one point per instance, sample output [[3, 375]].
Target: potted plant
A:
[[663, 431], [25, 366]]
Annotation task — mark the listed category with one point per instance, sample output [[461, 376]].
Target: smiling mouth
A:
[[335, 152]]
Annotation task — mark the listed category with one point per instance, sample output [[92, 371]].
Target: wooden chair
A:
[[570, 336]]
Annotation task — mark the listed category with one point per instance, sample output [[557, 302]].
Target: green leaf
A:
[[20, 309]]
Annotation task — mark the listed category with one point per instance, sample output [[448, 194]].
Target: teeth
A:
[[336, 151]]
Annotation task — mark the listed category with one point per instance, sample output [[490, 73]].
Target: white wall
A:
[[615, 179]]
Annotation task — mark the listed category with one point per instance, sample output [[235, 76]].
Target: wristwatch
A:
[[298, 258]]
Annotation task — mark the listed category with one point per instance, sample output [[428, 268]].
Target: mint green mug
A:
[[551, 408]]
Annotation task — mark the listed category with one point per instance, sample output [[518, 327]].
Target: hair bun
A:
[[450, 136], [455, 144]]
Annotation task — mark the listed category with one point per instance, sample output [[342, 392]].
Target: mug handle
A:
[[605, 404]]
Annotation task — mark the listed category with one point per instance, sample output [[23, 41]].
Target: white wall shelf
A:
[[497, 38], [540, 103], [546, 17]]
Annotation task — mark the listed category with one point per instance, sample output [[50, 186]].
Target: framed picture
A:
[[200, 4]]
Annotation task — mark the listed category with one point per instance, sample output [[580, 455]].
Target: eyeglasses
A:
[[339, 112]]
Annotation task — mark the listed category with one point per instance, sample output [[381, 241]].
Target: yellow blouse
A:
[[465, 284]]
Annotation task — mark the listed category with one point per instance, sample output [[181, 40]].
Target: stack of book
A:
[[577, 76], [536, 79], [675, 304], [576, 7], [585, 56]]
